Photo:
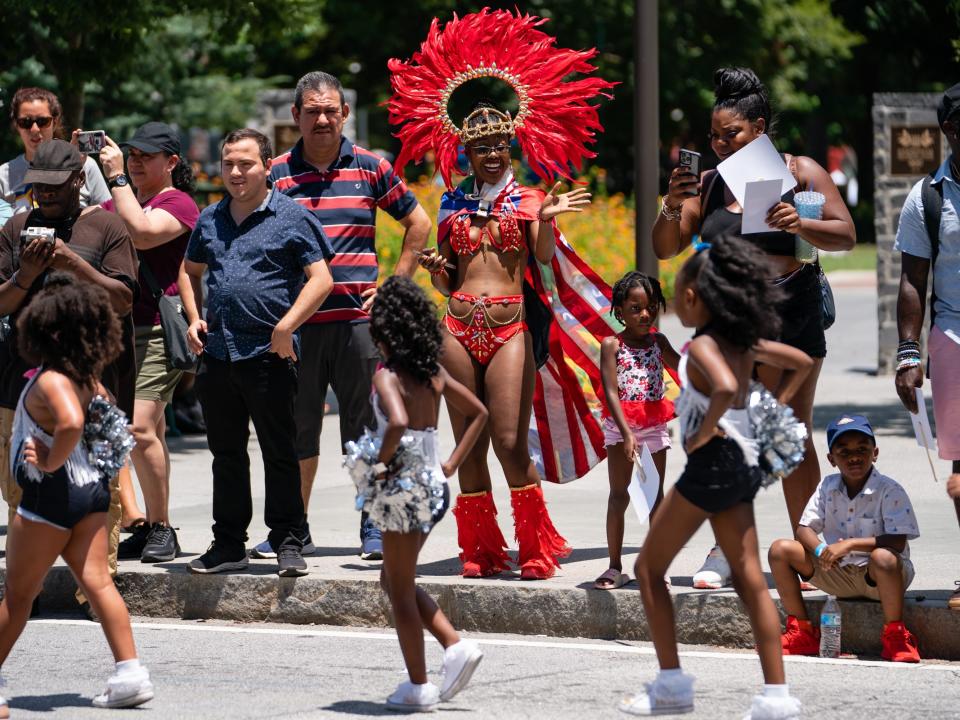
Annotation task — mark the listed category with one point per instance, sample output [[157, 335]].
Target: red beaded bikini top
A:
[[511, 237]]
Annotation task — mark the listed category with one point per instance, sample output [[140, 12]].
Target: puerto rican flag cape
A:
[[565, 436]]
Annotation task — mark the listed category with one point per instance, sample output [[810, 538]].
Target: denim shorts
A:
[[716, 477]]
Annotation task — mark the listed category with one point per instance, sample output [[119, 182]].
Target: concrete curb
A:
[[709, 618]]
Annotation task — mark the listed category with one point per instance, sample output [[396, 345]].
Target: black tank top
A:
[[718, 220]]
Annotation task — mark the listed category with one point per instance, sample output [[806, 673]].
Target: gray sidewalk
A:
[[342, 589]]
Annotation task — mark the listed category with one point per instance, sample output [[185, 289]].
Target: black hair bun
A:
[[736, 83]]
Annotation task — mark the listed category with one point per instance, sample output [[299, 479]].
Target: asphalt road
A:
[[221, 670]]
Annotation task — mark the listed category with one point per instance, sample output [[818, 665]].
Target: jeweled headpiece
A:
[[554, 121], [494, 122]]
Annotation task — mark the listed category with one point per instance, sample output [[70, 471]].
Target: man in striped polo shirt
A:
[[343, 184]]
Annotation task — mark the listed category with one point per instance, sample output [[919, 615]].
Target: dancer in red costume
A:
[[493, 234]]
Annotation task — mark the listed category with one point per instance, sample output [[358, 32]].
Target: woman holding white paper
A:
[[742, 114]]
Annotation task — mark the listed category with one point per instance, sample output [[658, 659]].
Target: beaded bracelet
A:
[[671, 215], [908, 344], [441, 271], [907, 364]]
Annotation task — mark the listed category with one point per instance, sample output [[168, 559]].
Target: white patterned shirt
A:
[[880, 508]]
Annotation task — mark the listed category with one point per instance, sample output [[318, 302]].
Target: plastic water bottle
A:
[[830, 628]]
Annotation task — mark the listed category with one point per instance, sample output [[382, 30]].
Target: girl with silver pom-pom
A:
[[402, 484], [722, 291], [68, 441]]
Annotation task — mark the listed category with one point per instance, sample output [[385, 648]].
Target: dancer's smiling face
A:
[[489, 157]]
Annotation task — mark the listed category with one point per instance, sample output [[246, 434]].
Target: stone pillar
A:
[[907, 145]]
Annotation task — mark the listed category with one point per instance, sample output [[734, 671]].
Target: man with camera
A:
[[91, 244]]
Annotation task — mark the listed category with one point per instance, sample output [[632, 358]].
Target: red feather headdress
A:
[[554, 122]]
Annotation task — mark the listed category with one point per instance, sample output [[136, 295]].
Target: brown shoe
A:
[[954, 602]]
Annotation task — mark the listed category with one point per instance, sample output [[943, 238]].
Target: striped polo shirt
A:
[[345, 198]]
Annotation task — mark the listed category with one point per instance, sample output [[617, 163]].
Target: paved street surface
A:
[[222, 670]]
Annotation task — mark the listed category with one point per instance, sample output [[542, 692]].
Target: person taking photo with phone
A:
[[155, 204], [37, 117], [741, 114]]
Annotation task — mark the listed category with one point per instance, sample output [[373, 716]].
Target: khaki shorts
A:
[[155, 380], [852, 581]]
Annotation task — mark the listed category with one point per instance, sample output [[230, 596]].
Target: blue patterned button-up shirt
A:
[[255, 270]]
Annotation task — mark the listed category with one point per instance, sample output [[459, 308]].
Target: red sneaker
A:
[[899, 644], [801, 638]]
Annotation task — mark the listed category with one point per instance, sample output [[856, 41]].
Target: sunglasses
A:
[[26, 123], [484, 150]]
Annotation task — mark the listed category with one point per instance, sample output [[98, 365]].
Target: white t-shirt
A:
[[19, 195], [880, 508], [912, 238]]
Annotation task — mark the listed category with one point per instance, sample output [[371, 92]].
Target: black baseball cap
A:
[[845, 424], [53, 163], [949, 104], [155, 137]]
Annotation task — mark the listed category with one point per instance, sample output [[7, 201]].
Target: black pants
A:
[[343, 356], [261, 389]]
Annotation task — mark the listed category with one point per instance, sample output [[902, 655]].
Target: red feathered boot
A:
[[540, 543], [483, 549]]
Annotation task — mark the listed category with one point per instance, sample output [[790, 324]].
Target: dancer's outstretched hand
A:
[[554, 204]]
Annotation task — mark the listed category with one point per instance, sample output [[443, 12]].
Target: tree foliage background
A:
[[197, 63]]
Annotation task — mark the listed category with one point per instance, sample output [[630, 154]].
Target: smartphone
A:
[[690, 159], [91, 141]]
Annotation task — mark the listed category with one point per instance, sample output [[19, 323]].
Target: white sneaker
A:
[[263, 551], [661, 697], [126, 690], [459, 662], [414, 698], [715, 572], [773, 708]]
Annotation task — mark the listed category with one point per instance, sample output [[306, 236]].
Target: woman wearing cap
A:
[[156, 205], [741, 114], [36, 116]]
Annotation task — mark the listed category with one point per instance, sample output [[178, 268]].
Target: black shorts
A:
[[801, 313], [716, 477], [341, 355], [442, 510], [59, 501]]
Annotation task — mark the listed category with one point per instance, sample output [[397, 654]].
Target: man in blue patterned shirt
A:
[[257, 246]]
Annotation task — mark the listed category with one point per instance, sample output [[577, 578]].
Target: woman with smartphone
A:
[[156, 204], [706, 207], [36, 116]]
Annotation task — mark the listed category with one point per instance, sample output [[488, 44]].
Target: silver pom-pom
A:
[[780, 436], [107, 437], [406, 499]]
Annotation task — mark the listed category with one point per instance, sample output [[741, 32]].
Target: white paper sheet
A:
[[921, 423], [761, 195], [921, 428], [644, 485], [758, 160]]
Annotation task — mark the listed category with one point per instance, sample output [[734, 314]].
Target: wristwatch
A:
[[119, 181]]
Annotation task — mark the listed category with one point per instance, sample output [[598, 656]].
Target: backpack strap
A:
[[931, 198]]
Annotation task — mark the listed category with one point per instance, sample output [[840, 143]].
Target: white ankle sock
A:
[[779, 691], [125, 666], [670, 674]]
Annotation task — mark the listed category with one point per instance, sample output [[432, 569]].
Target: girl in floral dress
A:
[[636, 410]]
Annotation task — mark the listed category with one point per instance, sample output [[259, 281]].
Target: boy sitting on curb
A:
[[866, 519]]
